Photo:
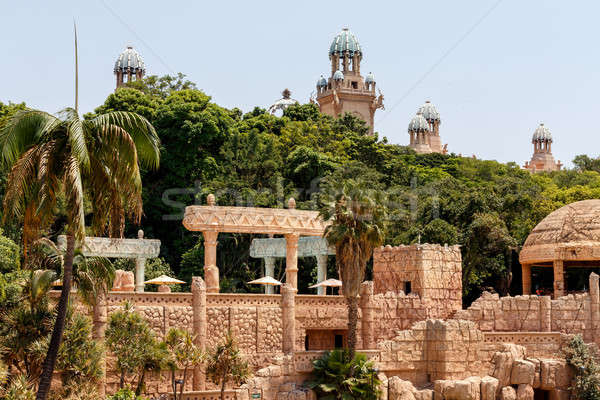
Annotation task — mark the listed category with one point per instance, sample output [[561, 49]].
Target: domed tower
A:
[[129, 67], [420, 133], [346, 90], [542, 159], [431, 114]]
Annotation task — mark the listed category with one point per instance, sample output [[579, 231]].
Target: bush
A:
[[334, 377], [584, 362], [125, 394]]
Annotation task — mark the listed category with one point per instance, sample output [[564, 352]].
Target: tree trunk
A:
[[352, 324], [59, 324], [224, 382]]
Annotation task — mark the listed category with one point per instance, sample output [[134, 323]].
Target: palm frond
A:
[[141, 131]]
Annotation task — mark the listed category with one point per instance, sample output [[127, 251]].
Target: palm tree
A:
[[65, 159], [357, 215]]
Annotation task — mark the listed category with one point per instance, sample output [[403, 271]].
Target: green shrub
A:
[[125, 394], [584, 362], [334, 378]]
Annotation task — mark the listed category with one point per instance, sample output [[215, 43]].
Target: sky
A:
[[494, 69]]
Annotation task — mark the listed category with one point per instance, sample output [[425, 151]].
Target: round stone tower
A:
[[542, 159]]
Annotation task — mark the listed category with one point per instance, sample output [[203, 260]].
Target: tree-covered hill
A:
[[256, 159]]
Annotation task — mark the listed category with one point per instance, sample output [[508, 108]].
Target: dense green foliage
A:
[[336, 378], [584, 361], [226, 363]]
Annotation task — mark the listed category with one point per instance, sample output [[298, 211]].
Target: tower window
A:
[[407, 287], [354, 85]]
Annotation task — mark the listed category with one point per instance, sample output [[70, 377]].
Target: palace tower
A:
[[129, 67], [542, 159], [424, 130], [346, 90]]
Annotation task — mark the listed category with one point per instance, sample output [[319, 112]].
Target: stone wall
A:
[[572, 314]]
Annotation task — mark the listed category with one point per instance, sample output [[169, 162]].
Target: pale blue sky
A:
[[528, 61]]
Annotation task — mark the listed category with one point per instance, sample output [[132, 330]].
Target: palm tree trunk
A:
[[59, 325], [352, 324], [223, 383]]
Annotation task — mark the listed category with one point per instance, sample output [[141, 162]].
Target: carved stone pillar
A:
[[211, 271], [545, 314], [321, 272], [140, 267], [98, 330], [270, 271], [559, 279], [526, 273], [595, 305], [367, 306], [288, 312], [291, 259], [199, 326]]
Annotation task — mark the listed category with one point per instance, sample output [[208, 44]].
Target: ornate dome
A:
[[344, 41], [370, 78], [418, 124], [322, 82], [572, 229], [283, 103], [429, 112], [130, 61], [542, 133], [338, 76]]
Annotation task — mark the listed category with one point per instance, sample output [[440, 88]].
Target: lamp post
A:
[[178, 382]]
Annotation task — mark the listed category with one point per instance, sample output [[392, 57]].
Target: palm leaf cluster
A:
[[52, 159]]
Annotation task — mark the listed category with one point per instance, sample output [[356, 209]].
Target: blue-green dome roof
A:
[[322, 82], [542, 133], [129, 61], [418, 124], [338, 76], [370, 78], [429, 111], [344, 41]]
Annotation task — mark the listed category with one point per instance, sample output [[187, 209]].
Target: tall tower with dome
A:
[[424, 130], [129, 67], [346, 90], [542, 159]]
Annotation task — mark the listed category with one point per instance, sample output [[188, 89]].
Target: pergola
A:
[[311, 246], [139, 249], [291, 223]]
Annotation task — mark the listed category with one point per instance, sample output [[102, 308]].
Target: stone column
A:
[[368, 316], [595, 305], [199, 325], [526, 273], [211, 271], [269, 271], [291, 259], [559, 279], [98, 329], [321, 272], [140, 267], [545, 314], [288, 313]]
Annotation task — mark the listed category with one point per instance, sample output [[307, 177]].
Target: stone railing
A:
[[312, 301], [150, 299], [211, 395], [303, 359], [538, 344], [242, 300]]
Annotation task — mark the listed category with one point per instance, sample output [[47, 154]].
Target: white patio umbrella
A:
[[163, 281], [266, 280], [328, 283]]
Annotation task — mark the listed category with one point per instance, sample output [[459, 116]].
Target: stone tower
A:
[[346, 90], [424, 130], [129, 67], [542, 159]]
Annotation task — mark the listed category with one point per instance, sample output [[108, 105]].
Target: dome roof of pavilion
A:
[[429, 111], [570, 233], [542, 133]]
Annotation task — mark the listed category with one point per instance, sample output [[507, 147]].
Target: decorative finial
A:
[[140, 234], [291, 203], [210, 200]]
